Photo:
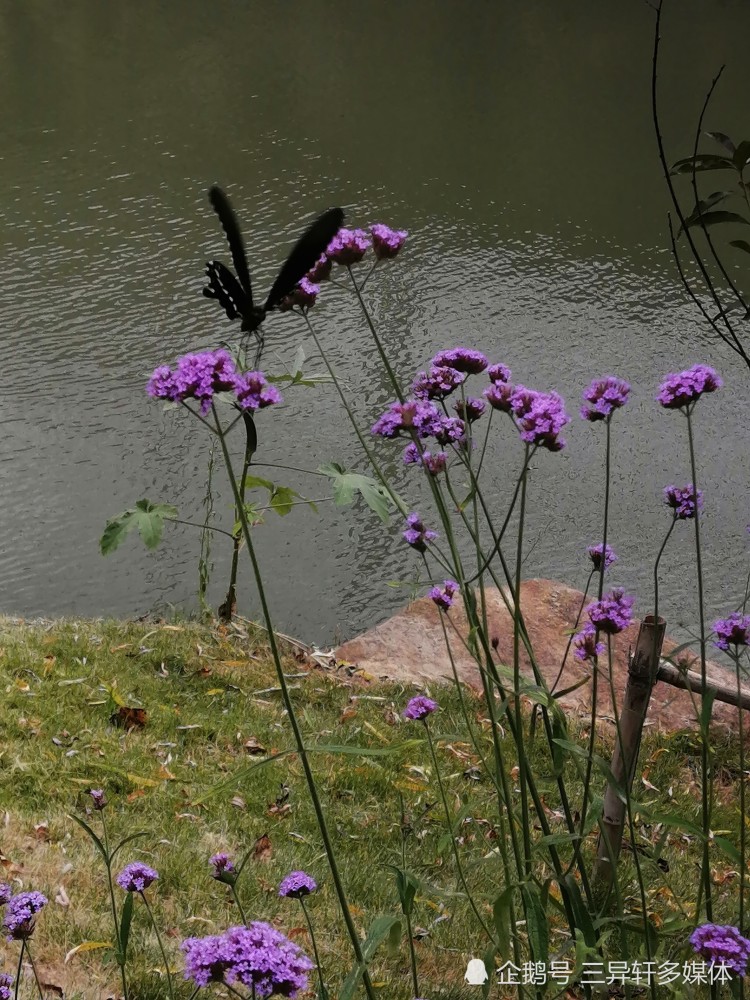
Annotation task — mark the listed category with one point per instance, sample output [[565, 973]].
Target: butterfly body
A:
[[234, 291]]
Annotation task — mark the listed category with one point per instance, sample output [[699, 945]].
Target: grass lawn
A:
[[194, 778]]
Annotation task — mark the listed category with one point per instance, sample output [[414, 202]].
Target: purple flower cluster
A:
[[732, 631], [6, 891], [98, 798], [443, 596], [469, 409], [604, 396], [202, 376], [348, 246], [722, 945], [136, 877], [416, 534], [303, 296], [419, 708], [585, 646], [387, 242], [434, 464], [222, 866], [257, 956], [461, 359], [297, 885], [6, 982], [613, 613], [423, 417], [683, 388], [438, 383], [540, 416], [321, 270], [595, 555], [499, 374], [685, 501], [20, 913]]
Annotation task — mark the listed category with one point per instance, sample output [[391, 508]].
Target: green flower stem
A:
[[706, 763], [743, 814], [161, 944], [323, 991], [19, 969], [317, 806], [36, 974], [656, 569], [113, 904], [251, 443], [236, 898], [522, 761], [575, 629], [456, 857], [383, 356]]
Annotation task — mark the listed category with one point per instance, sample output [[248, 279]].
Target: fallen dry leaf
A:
[[129, 718], [61, 897], [238, 802], [254, 748], [262, 849]]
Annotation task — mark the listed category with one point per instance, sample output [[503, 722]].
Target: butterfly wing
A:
[[305, 253], [224, 287], [228, 220]]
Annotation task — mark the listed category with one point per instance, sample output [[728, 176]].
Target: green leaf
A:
[[397, 748], [536, 924], [673, 820], [712, 218], [97, 841], [258, 482], [702, 162], [501, 910], [127, 840], [282, 500], [740, 245], [382, 928], [581, 914], [407, 885], [233, 780], [347, 484], [742, 155], [723, 140], [729, 849], [147, 517], [125, 922]]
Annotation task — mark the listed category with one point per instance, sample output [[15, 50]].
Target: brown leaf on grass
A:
[[254, 748], [238, 802], [129, 718], [61, 897], [391, 717], [137, 794], [279, 811], [165, 774], [350, 712], [262, 849], [41, 831], [53, 988], [296, 932]]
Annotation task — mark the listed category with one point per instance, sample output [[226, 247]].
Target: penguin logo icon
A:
[[476, 973]]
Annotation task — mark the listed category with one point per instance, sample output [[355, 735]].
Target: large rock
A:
[[411, 646]]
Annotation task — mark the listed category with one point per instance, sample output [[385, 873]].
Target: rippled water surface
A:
[[512, 140]]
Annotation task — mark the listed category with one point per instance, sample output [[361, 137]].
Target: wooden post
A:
[[642, 674]]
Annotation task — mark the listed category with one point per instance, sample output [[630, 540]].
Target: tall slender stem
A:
[[522, 762], [115, 918], [286, 697], [381, 351], [323, 990], [19, 970], [161, 945], [743, 815], [251, 443], [706, 769]]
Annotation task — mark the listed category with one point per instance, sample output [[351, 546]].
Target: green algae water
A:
[[514, 143]]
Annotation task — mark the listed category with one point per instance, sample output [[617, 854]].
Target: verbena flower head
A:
[[303, 295], [595, 555], [348, 246], [6, 891], [684, 501], [682, 388], [223, 866], [732, 631], [443, 596], [422, 416], [613, 613], [469, 409], [6, 982], [438, 383], [387, 242], [585, 646], [434, 464], [136, 877], [499, 373], [419, 708], [540, 416], [722, 944], [297, 885], [97, 795], [462, 359], [258, 957], [321, 270], [416, 534], [20, 914], [604, 396], [500, 396], [254, 392], [449, 430]]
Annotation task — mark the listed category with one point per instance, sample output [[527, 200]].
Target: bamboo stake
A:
[[642, 674]]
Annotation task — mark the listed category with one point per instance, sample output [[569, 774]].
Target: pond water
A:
[[512, 140]]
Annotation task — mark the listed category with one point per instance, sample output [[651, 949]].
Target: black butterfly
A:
[[234, 292]]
